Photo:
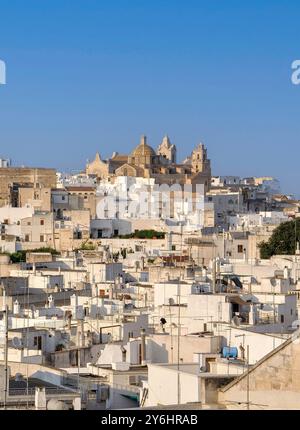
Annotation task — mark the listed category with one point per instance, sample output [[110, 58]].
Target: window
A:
[[240, 249], [41, 238], [282, 319], [99, 234], [42, 222], [37, 341], [27, 238], [173, 247]]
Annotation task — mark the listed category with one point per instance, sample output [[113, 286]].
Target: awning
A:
[[238, 300]]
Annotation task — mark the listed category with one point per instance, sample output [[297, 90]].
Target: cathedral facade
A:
[[161, 165]]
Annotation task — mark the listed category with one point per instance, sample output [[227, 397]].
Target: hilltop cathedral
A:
[[161, 165]]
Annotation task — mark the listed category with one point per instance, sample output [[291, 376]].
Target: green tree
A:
[[283, 240], [20, 256]]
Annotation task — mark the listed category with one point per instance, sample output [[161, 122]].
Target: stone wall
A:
[[23, 175], [274, 383]]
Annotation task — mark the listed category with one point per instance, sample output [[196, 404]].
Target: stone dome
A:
[[143, 150]]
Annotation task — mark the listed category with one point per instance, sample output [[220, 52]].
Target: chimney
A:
[[77, 404], [69, 321], [143, 346], [50, 302], [82, 340], [40, 399], [16, 307]]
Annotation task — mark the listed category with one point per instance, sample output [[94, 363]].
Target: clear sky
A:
[[88, 75]]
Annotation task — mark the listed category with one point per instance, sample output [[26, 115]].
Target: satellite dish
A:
[[163, 321], [17, 343], [19, 377]]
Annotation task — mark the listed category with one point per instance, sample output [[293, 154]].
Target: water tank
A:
[[230, 352], [56, 405]]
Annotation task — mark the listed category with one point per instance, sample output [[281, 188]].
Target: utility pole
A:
[[213, 275], [248, 381], [97, 314], [178, 351], [295, 235], [6, 382], [179, 322], [79, 340]]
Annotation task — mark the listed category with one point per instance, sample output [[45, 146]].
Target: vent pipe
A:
[[143, 346]]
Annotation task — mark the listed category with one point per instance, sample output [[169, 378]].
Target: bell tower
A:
[[167, 150], [200, 162]]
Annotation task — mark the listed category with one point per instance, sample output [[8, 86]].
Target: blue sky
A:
[[94, 75]]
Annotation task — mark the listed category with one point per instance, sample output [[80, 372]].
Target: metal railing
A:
[[31, 391]]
